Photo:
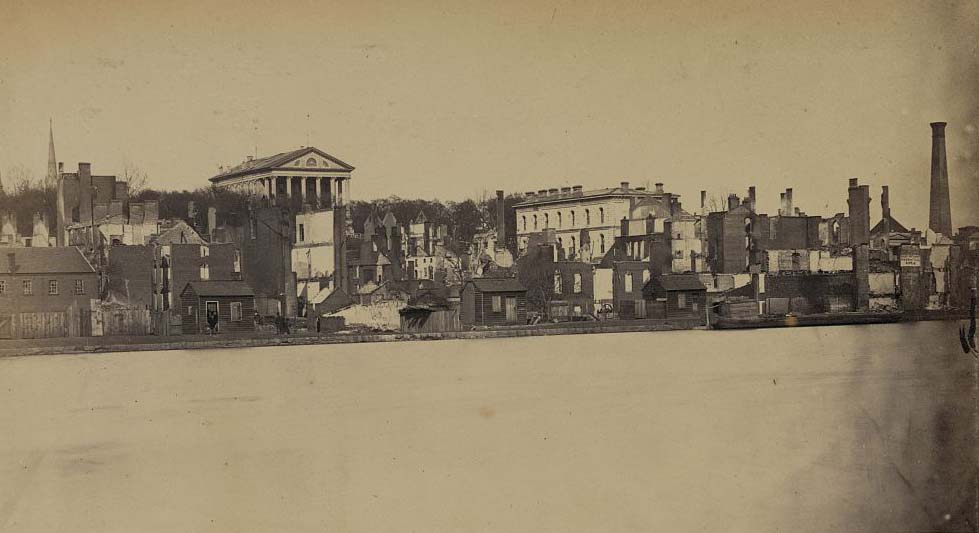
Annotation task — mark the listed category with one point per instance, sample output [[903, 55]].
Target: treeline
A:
[[463, 219], [25, 199]]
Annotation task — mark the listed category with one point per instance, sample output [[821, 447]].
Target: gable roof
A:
[[219, 288], [53, 260], [272, 162], [674, 282], [497, 285], [888, 224]]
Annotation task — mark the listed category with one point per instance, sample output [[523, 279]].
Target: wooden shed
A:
[[233, 300], [493, 302], [429, 319], [675, 296]]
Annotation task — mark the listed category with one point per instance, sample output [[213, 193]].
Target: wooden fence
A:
[[77, 322]]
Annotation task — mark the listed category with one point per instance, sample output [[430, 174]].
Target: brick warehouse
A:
[[45, 279]]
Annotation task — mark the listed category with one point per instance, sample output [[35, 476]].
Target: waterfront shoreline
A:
[[94, 345]]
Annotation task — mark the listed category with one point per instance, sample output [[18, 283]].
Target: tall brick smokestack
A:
[[703, 200], [783, 207], [940, 212], [500, 220], [751, 198], [788, 202]]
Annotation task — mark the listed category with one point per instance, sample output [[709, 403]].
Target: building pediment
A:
[[306, 159]]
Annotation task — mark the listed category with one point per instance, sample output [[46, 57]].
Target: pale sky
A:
[[447, 99]]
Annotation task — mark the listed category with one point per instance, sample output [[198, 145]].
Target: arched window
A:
[[547, 220], [572, 219], [587, 217], [601, 239], [311, 162], [601, 215], [524, 219], [535, 222], [559, 219], [574, 247]]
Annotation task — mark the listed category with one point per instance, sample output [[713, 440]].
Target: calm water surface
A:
[[850, 428]]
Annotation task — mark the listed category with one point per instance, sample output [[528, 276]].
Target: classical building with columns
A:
[[304, 177], [314, 186]]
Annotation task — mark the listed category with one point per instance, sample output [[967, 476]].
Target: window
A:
[[524, 220], [497, 304], [3, 286], [694, 307], [574, 247], [645, 277], [53, 287], [601, 215], [190, 309], [236, 311], [628, 282], [681, 300], [601, 239], [311, 162], [557, 282], [587, 217], [237, 265], [302, 232], [559, 219], [535, 222], [572, 219], [547, 220], [28, 290], [577, 283]]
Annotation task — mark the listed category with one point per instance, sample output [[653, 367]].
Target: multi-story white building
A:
[[586, 223]]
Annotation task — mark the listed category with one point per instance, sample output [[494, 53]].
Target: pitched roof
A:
[[275, 161], [498, 285], [675, 282], [54, 260], [888, 224], [219, 288]]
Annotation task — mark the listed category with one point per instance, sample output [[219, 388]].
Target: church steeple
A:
[[52, 177]]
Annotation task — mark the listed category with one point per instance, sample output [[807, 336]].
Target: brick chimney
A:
[[782, 206], [732, 201], [885, 202], [788, 201], [565, 190], [624, 185], [576, 189], [752, 198], [659, 188], [703, 199]]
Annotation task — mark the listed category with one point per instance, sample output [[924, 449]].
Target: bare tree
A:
[[134, 176], [18, 179]]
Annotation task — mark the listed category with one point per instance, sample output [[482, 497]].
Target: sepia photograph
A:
[[453, 266]]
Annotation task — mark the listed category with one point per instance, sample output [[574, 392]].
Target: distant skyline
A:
[[448, 99]]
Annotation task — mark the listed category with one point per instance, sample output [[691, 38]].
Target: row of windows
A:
[[560, 219], [54, 289], [236, 314], [576, 288], [573, 244]]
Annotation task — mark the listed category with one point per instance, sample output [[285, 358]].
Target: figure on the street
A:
[[212, 322]]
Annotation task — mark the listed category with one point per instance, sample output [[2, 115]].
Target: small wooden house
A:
[[675, 296], [234, 302], [493, 302]]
